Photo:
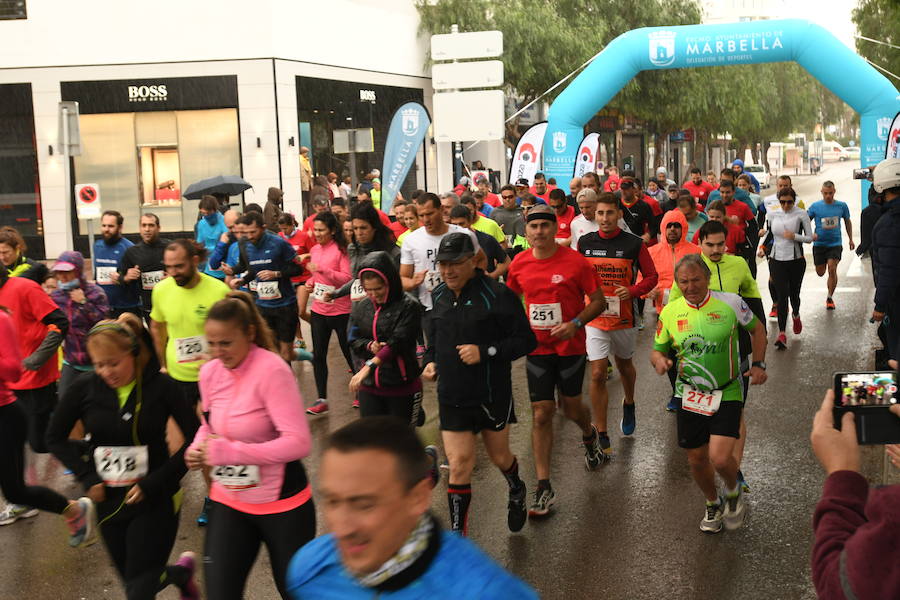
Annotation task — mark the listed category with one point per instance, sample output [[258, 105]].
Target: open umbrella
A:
[[230, 185]]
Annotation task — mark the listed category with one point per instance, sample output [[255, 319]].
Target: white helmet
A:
[[886, 175]]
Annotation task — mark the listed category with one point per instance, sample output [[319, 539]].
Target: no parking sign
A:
[[87, 201]]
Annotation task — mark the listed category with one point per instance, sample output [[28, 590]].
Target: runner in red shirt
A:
[[490, 197], [540, 188], [564, 215], [698, 188], [554, 281], [716, 211]]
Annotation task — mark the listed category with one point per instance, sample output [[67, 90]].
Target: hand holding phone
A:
[[869, 395]]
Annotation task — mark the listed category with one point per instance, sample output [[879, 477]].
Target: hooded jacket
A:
[[397, 323], [358, 254], [665, 256], [753, 180], [90, 400], [82, 316], [29, 269]]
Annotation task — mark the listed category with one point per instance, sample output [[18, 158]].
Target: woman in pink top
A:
[[253, 435], [330, 268]]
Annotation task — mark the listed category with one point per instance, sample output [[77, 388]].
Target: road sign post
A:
[[87, 206]]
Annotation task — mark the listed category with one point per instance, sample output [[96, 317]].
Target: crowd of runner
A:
[[175, 355]]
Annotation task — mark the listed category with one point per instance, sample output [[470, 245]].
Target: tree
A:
[[879, 20]]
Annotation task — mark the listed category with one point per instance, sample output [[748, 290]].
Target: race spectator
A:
[[209, 230], [273, 209]]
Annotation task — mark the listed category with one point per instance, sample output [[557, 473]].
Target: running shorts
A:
[[550, 372], [822, 254], [282, 320], [486, 417], [694, 430], [618, 342]]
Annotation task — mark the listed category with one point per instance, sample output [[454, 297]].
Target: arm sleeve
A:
[[806, 227], [340, 274], [648, 272], [71, 452], [97, 306], [406, 255], [285, 408], [406, 329], [127, 262], [57, 326], [431, 335], [10, 359], [175, 468], [662, 341], [218, 253], [203, 430], [358, 343]]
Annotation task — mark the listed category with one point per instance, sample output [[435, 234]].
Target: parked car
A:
[[761, 174], [834, 151], [852, 152]]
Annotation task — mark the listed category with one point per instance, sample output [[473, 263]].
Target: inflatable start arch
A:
[[827, 59]]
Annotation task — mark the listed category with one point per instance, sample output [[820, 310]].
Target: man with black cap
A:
[[273, 210], [476, 330], [522, 186], [554, 281]]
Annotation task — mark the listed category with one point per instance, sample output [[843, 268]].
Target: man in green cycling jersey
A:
[[702, 327], [730, 274]]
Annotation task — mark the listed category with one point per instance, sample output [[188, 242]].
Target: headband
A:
[[534, 216]]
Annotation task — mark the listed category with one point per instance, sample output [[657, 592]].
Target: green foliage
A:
[[879, 20]]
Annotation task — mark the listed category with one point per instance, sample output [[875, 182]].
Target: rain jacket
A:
[[358, 254], [665, 256], [81, 316], [397, 323], [209, 235], [29, 269], [753, 179]]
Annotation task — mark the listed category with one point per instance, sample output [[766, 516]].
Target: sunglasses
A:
[[507, 196], [785, 201], [678, 225]]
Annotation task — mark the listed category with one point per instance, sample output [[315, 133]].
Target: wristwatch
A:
[[492, 351], [370, 364], [759, 363]]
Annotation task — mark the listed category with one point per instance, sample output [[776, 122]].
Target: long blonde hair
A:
[[240, 308]]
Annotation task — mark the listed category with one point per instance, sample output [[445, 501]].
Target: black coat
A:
[[397, 323], [485, 313]]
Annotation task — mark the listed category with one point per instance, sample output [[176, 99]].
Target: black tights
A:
[[12, 465], [38, 405], [322, 326], [788, 277]]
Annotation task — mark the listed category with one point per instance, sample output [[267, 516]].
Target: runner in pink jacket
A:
[[252, 436]]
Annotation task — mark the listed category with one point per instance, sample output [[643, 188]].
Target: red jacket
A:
[[664, 256], [857, 533]]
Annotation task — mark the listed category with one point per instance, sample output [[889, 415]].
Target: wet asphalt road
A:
[[627, 531]]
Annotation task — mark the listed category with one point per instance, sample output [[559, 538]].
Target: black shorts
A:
[[694, 430], [492, 417], [550, 372], [191, 392], [282, 320], [822, 254]]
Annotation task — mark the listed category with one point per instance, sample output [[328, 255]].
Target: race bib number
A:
[[432, 280], [320, 290], [151, 278], [190, 349], [830, 222], [121, 466], [252, 286], [702, 403], [236, 477], [357, 292], [268, 290], [544, 316], [105, 275], [613, 307]]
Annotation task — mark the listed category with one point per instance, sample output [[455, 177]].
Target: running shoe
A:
[[434, 472], [82, 528], [674, 404], [203, 517], [319, 407], [593, 453], [301, 354], [712, 517], [517, 514], [356, 403], [543, 500], [420, 351], [744, 485], [781, 342], [188, 561], [14, 512], [641, 323], [735, 510], [628, 422], [829, 304], [798, 325], [773, 314], [299, 344]]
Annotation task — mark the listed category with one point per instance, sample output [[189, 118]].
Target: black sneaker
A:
[[593, 453], [544, 498], [517, 514]]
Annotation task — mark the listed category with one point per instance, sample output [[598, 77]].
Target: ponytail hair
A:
[[239, 308]]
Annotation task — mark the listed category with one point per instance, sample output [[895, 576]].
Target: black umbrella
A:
[[230, 185]]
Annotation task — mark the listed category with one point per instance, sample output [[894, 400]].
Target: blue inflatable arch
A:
[[836, 66]]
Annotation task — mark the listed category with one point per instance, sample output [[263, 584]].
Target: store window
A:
[[12, 9], [20, 200]]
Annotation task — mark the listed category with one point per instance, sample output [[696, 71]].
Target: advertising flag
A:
[[407, 131], [527, 158], [586, 160]]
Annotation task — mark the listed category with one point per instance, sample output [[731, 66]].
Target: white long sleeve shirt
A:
[[796, 221]]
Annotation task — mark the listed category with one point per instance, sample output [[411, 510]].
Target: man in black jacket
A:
[[477, 329], [144, 262]]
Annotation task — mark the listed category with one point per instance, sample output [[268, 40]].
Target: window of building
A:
[[12, 9]]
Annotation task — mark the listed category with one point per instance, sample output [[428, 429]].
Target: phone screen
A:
[[862, 173], [866, 389]]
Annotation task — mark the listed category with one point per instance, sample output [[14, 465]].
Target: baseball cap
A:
[[523, 181], [626, 182], [454, 247], [70, 260]]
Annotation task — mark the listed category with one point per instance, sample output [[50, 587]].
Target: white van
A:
[[834, 151]]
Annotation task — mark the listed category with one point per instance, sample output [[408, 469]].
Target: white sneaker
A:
[[712, 518], [14, 512], [735, 510]]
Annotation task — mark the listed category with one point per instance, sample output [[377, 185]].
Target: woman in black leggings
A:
[[26, 500], [330, 268]]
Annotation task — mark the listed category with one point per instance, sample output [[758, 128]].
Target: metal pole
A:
[[457, 146], [67, 183], [351, 141]]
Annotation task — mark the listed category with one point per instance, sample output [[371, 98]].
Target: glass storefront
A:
[[173, 132], [20, 199], [326, 105]]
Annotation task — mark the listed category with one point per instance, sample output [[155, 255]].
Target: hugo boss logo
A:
[[148, 93]]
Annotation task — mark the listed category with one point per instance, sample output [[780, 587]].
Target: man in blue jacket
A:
[[384, 543], [886, 253], [107, 258], [738, 167]]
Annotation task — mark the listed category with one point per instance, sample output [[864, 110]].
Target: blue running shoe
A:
[[674, 404], [203, 519], [628, 422]]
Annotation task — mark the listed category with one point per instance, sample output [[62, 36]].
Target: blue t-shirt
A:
[[208, 234], [827, 218], [272, 253], [108, 259]]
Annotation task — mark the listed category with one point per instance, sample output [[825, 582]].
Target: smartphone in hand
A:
[[869, 395]]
